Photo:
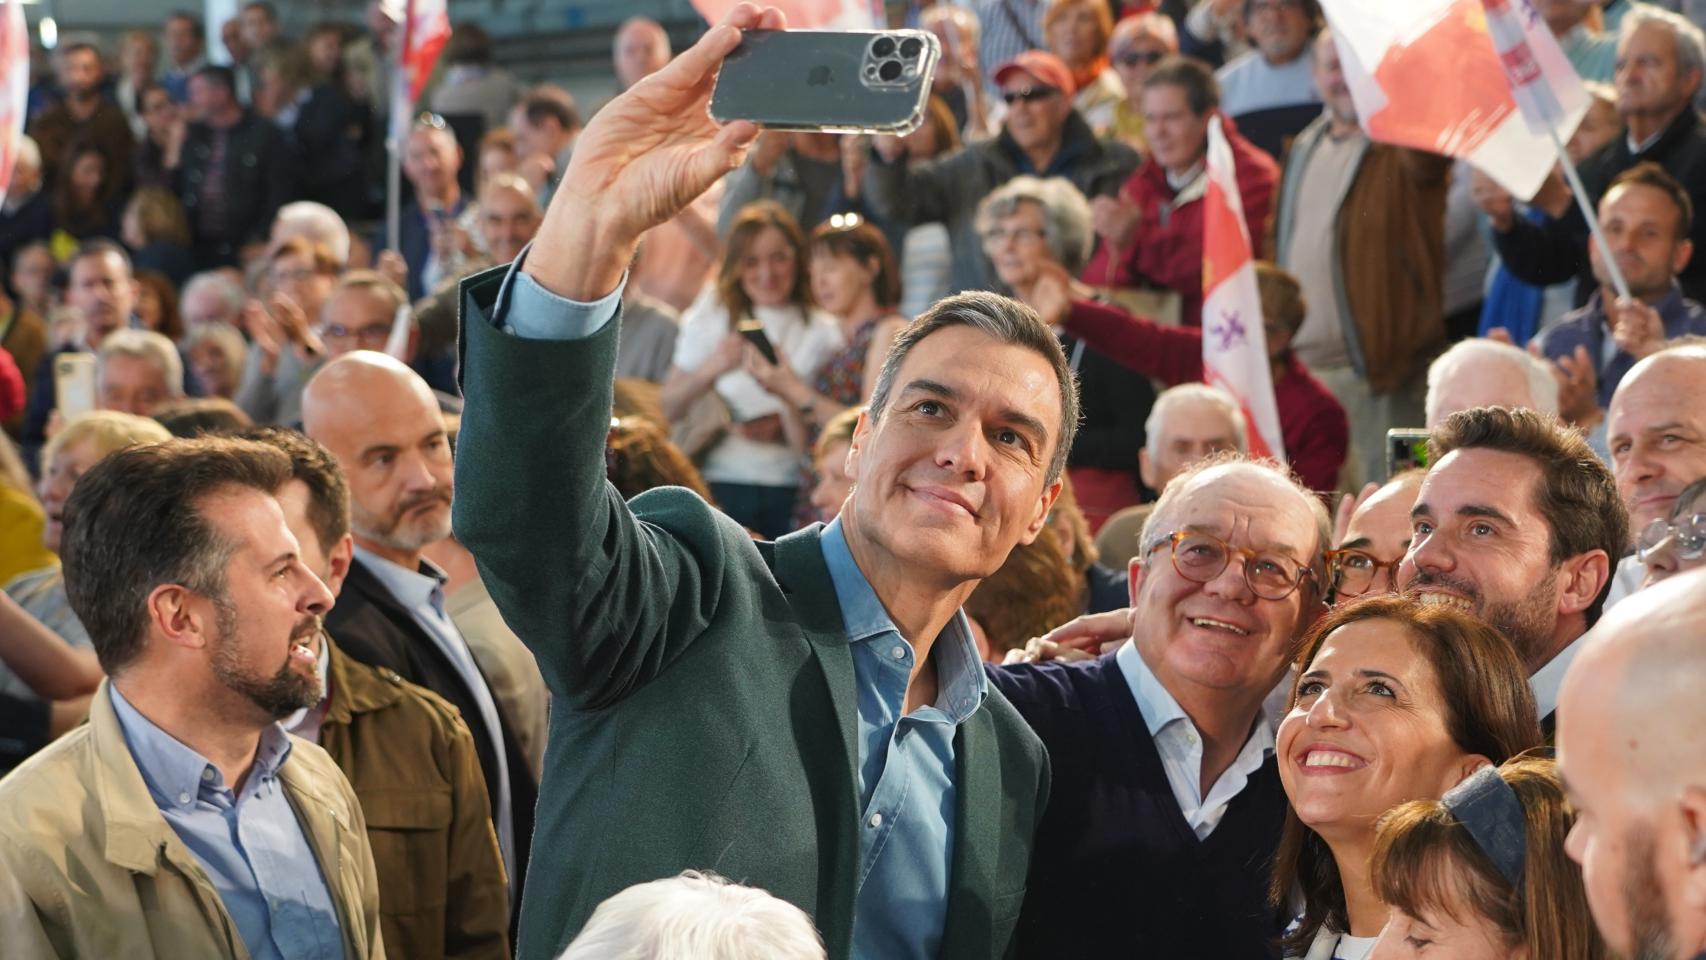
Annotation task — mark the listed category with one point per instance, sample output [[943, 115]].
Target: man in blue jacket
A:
[[808, 716]]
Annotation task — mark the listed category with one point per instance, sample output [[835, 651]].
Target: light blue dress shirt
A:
[[423, 596], [906, 761], [251, 845]]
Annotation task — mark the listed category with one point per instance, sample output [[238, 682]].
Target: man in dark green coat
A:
[[808, 716]]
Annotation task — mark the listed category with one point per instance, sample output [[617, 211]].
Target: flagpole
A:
[[1586, 206], [399, 121]]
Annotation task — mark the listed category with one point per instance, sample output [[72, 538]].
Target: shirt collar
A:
[[1548, 679], [961, 684], [412, 588], [1158, 707], [177, 775]]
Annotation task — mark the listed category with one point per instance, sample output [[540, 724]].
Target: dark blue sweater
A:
[[1116, 871]]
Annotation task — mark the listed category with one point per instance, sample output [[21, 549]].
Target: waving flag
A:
[[426, 28], [1480, 80], [1234, 344], [14, 85]]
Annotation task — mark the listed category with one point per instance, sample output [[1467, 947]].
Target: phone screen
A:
[[753, 331], [1405, 450]]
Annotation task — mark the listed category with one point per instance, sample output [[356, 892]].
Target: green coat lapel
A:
[[977, 841]]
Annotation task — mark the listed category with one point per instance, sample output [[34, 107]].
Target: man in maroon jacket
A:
[[1151, 234]]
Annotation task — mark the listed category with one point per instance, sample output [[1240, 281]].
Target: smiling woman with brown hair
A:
[[1397, 701]]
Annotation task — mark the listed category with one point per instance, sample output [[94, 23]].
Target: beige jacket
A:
[[89, 868]]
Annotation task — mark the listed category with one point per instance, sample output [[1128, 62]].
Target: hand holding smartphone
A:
[[74, 390], [831, 81], [753, 331]]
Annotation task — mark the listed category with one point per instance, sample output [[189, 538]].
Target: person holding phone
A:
[[807, 715], [753, 467]]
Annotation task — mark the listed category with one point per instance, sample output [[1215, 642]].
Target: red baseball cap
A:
[[1044, 66]]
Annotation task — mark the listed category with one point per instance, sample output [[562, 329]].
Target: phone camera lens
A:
[[910, 47], [883, 47], [890, 70]]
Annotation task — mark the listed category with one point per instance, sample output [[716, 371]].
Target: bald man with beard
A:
[[382, 423], [1634, 763]]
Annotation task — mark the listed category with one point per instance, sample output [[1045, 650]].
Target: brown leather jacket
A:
[[411, 760]]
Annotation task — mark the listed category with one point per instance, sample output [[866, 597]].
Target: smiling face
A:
[[1657, 434], [841, 283], [1480, 542], [1076, 36], [1380, 530], [70, 462], [1177, 135], [431, 161], [1368, 732], [508, 220], [1017, 245], [1035, 124], [767, 269], [952, 476], [1219, 636], [1644, 228]]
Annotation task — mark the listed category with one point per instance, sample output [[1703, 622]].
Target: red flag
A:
[[1234, 343], [426, 27], [14, 85]]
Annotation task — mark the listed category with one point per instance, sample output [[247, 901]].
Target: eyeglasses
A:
[[1028, 94], [996, 235], [1200, 557], [1688, 533], [372, 334], [1132, 58], [1354, 572], [432, 120]]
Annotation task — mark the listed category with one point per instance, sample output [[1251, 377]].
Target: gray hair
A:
[[1008, 321], [220, 283], [964, 18], [222, 336], [1542, 385], [1066, 215], [317, 222], [696, 915], [1690, 40], [156, 348], [1172, 397], [1155, 527]]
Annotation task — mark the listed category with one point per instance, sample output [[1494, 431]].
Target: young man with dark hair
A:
[[1519, 523], [123, 836], [234, 174], [85, 115]]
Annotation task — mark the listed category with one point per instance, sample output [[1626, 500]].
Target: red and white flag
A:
[[426, 28], [1480, 80], [1234, 343], [14, 85], [808, 14]]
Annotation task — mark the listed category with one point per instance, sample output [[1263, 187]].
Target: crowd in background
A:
[[200, 251]]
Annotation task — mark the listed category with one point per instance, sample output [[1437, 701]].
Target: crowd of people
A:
[[783, 544]]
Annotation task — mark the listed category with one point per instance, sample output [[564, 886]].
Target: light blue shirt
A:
[[906, 761], [1179, 744], [906, 767], [251, 845], [423, 596]]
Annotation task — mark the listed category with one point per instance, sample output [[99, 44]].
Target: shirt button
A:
[[876, 820], [899, 652], [1191, 739], [207, 774], [183, 798]]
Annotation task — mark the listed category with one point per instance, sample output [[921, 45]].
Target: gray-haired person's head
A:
[[699, 916], [1007, 321], [1067, 228]]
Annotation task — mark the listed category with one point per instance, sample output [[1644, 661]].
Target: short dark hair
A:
[[1311, 10], [224, 76], [1489, 710], [314, 465], [1008, 321], [1576, 494], [200, 416], [81, 46], [1202, 90], [469, 43], [1649, 174], [539, 106], [135, 521], [98, 247], [192, 20], [863, 242], [264, 6]]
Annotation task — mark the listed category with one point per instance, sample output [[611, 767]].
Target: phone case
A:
[[74, 384], [830, 81]]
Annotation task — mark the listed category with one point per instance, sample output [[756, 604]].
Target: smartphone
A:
[[1405, 450], [834, 81], [753, 331], [74, 384]]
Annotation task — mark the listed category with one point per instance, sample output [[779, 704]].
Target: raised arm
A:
[[602, 599]]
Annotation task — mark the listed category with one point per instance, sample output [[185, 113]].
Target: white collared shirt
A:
[[1548, 679], [1180, 747]]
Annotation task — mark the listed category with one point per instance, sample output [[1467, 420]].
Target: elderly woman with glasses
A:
[[1397, 701], [1029, 226], [1139, 43]]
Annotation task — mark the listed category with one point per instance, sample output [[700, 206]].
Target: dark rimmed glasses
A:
[[1200, 557], [1686, 536], [1149, 58], [1354, 572], [1028, 95]]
